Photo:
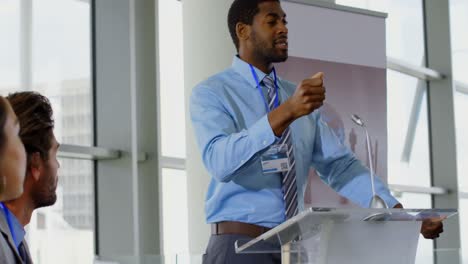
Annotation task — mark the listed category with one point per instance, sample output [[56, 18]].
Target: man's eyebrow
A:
[[276, 15]]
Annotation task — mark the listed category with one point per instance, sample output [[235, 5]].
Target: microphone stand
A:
[[376, 201]]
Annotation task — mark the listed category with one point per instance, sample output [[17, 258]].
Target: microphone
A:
[[376, 201]]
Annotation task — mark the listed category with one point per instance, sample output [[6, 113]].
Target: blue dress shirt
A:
[[232, 131]]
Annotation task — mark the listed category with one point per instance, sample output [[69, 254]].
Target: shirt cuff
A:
[[359, 190], [387, 197]]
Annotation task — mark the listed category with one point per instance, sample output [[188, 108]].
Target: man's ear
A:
[[243, 31], [35, 165]]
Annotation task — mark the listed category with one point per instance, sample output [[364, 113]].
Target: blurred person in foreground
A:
[[12, 154], [12, 173]]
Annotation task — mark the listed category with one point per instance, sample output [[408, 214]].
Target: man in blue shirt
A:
[[35, 115], [259, 135]]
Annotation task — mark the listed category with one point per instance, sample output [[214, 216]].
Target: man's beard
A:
[[45, 194], [43, 199], [267, 53]]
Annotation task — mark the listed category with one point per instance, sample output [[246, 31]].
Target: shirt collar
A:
[[20, 233], [243, 69]]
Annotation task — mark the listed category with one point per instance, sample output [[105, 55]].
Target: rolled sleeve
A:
[[359, 190], [338, 166], [224, 148], [262, 134]]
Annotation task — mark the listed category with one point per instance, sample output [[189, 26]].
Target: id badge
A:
[[275, 159]]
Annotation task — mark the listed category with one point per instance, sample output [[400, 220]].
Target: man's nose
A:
[[283, 28]]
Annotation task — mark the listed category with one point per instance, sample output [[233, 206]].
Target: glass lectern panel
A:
[[316, 224]]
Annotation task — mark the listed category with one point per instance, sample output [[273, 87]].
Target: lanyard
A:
[[10, 224], [260, 88]]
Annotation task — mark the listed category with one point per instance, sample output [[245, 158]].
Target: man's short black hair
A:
[[242, 11]]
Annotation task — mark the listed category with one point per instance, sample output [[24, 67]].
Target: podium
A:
[[352, 236]]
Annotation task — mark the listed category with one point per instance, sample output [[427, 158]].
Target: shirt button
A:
[[242, 161], [264, 142]]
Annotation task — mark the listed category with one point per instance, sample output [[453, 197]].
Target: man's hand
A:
[[309, 95], [431, 228]]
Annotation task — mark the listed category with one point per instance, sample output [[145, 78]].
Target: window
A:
[[171, 83], [174, 213], [10, 50], [49, 51], [172, 131]]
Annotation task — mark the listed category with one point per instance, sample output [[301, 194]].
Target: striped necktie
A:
[[289, 177]]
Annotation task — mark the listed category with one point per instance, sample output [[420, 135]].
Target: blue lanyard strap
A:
[[254, 74], [10, 224]]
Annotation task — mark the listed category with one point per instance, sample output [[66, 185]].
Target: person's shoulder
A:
[[217, 83], [6, 253], [217, 80]]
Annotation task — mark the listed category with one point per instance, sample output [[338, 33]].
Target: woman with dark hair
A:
[[12, 154]]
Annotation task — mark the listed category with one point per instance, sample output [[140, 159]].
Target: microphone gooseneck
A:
[[376, 201]]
